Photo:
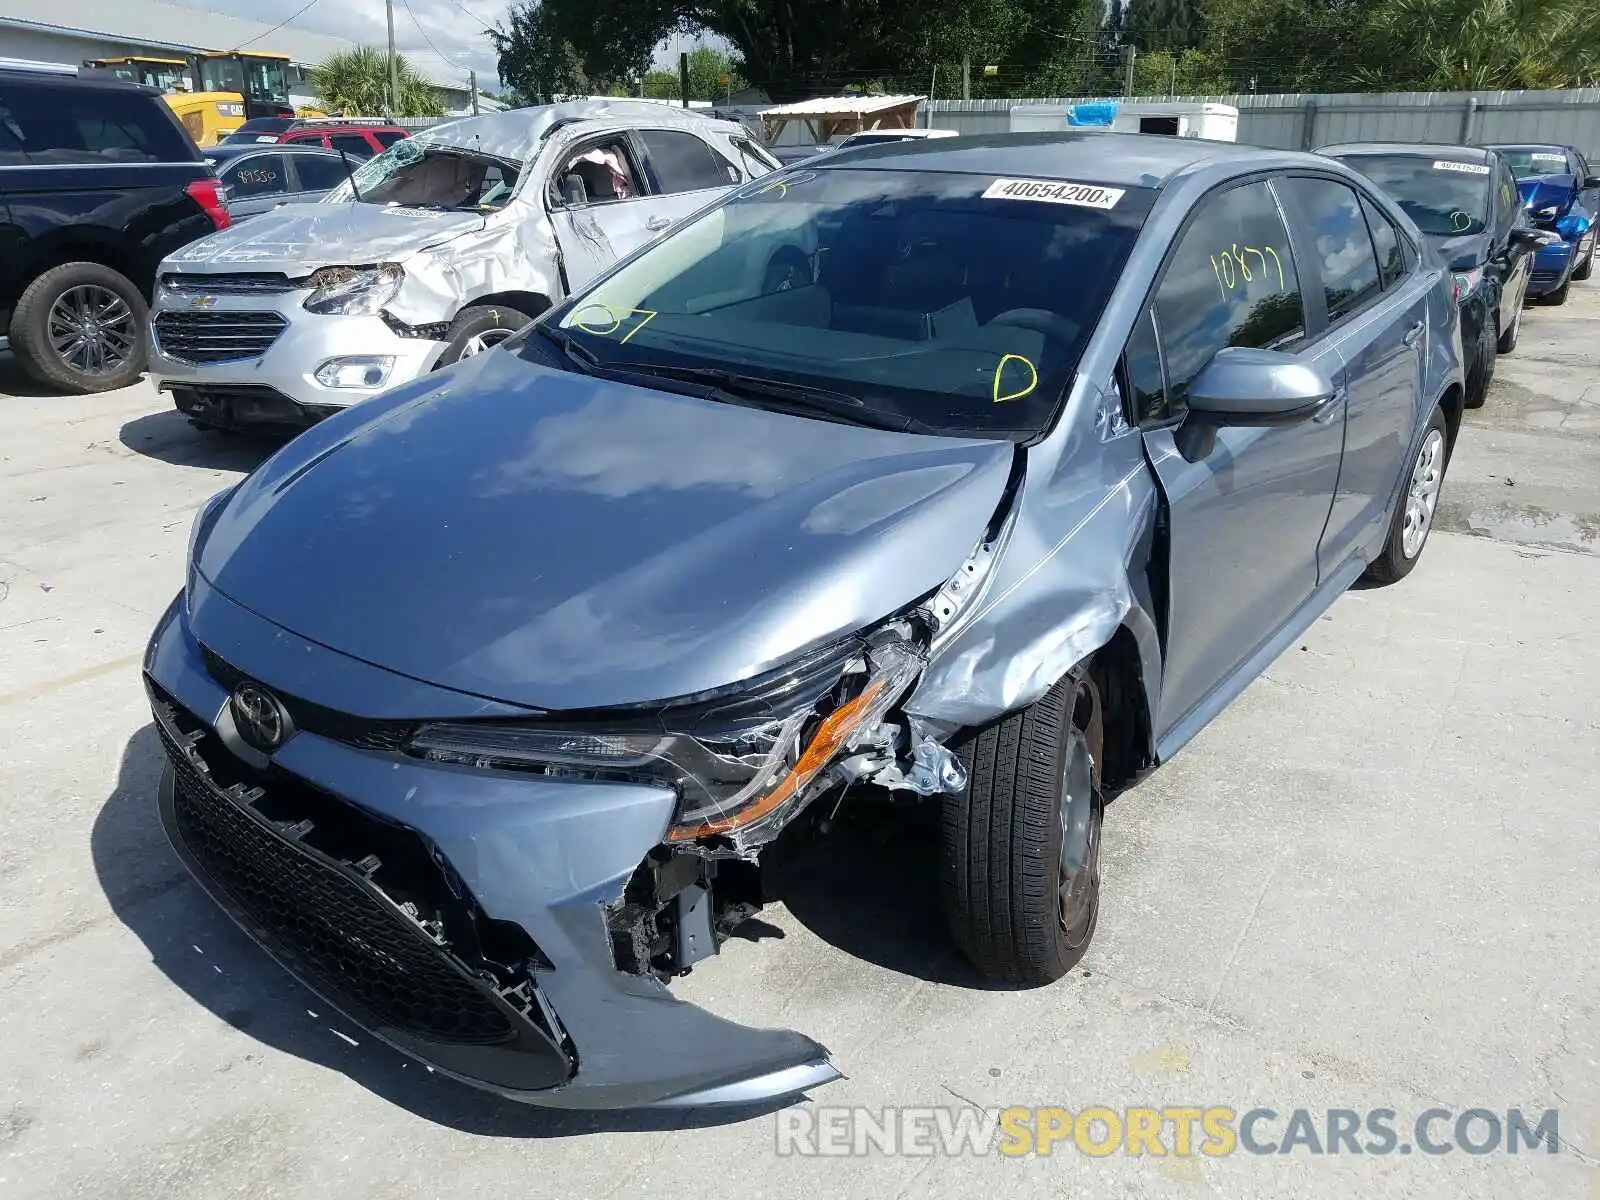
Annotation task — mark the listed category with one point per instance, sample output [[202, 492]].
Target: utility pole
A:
[[394, 64], [966, 76], [1133, 55], [683, 76], [472, 82]]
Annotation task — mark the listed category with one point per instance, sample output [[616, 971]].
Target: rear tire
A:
[[1586, 267], [1020, 863], [1414, 513], [1558, 297], [1507, 341], [81, 328], [1481, 374]]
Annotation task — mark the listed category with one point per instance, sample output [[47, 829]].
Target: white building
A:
[[70, 31]]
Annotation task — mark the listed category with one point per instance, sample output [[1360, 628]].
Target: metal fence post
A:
[[1308, 126], [1466, 120]]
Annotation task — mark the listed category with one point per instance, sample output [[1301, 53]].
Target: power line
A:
[[487, 28], [425, 37], [294, 16]]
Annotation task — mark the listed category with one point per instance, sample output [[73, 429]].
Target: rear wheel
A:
[[1020, 867], [1586, 267], [1559, 296], [1508, 337], [1413, 518], [80, 328]]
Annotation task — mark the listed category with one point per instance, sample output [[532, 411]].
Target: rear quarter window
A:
[[45, 125]]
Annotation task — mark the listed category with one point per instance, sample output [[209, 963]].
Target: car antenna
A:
[[350, 174]]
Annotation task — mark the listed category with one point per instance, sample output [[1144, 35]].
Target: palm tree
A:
[[356, 82]]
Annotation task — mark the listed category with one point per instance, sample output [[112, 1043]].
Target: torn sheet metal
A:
[[518, 133], [1071, 572]]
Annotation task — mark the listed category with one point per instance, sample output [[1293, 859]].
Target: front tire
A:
[[1586, 267], [1413, 517], [80, 328], [1481, 372], [480, 327], [1558, 297], [1508, 338], [1020, 862]]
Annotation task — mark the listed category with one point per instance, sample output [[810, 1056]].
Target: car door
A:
[[1510, 259], [684, 172], [1376, 318], [314, 176], [599, 205], [255, 183], [1244, 520]]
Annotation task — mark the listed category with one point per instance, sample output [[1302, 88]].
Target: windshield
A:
[[1446, 198], [945, 303], [267, 80], [417, 174], [1534, 161]]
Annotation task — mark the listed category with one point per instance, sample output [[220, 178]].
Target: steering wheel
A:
[[787, 269], [1053, 325]]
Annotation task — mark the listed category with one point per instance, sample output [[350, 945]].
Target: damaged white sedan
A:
[[440, 247], [982, 471]]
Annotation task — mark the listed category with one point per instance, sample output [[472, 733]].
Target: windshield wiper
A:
[[794, 398], [574, 353]]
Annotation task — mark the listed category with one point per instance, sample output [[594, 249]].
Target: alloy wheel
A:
[[1078, 888], [92, 329], [479, 342]]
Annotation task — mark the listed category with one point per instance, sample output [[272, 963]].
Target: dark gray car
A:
[[984, 473], [260, 178]]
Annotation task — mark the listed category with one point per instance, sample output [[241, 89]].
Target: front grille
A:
[[215, 337], [361, 732], [261, 284]]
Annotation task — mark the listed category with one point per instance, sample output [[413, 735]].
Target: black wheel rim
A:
[[1078, 887], [92, 330]]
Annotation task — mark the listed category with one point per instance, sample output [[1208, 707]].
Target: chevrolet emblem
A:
[[203, 302]]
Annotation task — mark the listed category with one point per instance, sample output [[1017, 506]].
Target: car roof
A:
[[235, 149], [1473, 154], [1562, 146], [105, 82], [1118, 159]]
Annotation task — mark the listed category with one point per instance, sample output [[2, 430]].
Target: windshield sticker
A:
[[1463, 168], [1242, 265], [605, 321], [1546, 156], [1054, 191], [1460, 222], [1022, 372]]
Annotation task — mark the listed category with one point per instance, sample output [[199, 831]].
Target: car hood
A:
[[562, 542], [1545, 190], [1461, 253], [298, 238]]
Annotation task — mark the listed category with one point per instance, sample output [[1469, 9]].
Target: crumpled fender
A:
[[1072, 572]]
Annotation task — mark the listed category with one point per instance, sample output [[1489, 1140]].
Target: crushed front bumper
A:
[[327, 856], [248, 360], [1552, 265]]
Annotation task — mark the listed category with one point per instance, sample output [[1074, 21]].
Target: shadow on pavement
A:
[[14, 381], [170, 437], [206, 955]]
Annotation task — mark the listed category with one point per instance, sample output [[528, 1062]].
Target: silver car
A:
[[441, 246], [981, 472], [261, 178]]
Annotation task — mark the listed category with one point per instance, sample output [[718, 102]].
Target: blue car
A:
[[985, 471], [1562, 194]]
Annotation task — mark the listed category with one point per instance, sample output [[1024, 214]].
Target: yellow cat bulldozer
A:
[[215, 92]]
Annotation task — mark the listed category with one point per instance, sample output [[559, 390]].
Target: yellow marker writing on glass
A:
[[591, 325], [999, 370]]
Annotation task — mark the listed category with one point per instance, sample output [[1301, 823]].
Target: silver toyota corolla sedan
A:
[[984, 471]]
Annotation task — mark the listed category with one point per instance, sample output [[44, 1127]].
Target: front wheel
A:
[[1020, 862], [1419, 502], [80, 328], [1508, 337], [1559, 296], [1586, 267], [480, 327]]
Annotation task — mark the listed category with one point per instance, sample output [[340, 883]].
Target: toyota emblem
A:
[[259, 718]]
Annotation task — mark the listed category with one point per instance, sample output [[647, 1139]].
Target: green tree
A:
[[538, 61], [1295, 45], [357, 82], [1188, 73], [1172, 25], [707, 69], [1483, 44]]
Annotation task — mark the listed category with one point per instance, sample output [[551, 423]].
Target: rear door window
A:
[[77, 124], [1336, 231], [388, 137], [1230, 282], [681, 162], [1386, 238], [353, 144], [318, 174]]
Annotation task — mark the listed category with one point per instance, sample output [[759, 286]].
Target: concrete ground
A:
[[1374, 882]]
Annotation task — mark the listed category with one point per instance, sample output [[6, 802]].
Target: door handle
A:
[[1413, 334], [656, 224], [1331, 408]]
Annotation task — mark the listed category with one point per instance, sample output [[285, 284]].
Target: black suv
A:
[[98, 183]]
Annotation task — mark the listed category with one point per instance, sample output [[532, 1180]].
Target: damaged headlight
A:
[[353, 291], [737, 763]]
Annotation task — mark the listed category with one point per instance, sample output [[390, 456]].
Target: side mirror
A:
[[1242, 386], [1527, 235], [1593, 181]]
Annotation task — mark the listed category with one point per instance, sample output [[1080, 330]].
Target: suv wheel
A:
[[80, 328], [1020, 859], [480, 327]]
